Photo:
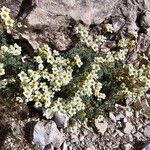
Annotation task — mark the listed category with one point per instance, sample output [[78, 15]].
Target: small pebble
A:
[[112, 117], [128, 128], [147, 131], [128, 146]]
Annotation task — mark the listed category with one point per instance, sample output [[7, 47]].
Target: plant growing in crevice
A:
[[83, 82]]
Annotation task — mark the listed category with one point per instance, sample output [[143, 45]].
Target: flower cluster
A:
[[2, 70], [52, 73], [123, 43], [70, 107], [5, 16], [88, 39], [109, 28], [12, 49], [3, 84], [90, 86], [121, 54], [135, 81]]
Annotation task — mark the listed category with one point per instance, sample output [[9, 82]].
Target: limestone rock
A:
[[48, 17], [147, 147], [147, 131], [128, 128], [16, 129], [45, 133], [54, 13], [101, 126], [91, 148], [128, 147], [65, 147], [112, 117], [61, 120]]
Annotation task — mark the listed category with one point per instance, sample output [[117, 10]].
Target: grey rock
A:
[[128, 128], [147, 131], [147, 147], [54, 13], [61, 119], [46, 133], [120, 116], [118, 23], [120, 133], [16, 129], [91, 148], [101, 126], [48, 17], [128, 146], [129, 114], [112, 117], [139, 136], [65, 147]]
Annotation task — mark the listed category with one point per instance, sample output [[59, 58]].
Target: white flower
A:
[[122, 43], [120, 55], [9, 22], [46, 47], [84, 33], [101, 96], [2, 70], [27, 94], [45, 74], [19, 99], [4, 48], [55, 53], [17, 49], [3, 83], [22, 75], [48, 113], [45, 88], [89, 41], [5, 9], [36, 76], [23, 59], [95, 47], [50, 59], [38, 59], [38, 104], [19, 24], [4, 15], [78, 61], [99, 60], [109, 28], [47, 103], [96, 67], [132, 71], [100, 39], [40, 66]]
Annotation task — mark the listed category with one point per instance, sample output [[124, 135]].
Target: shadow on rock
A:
[[28, 129], [3, 133]]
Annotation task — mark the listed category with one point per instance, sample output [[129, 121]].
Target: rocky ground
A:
[[123, 129]]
